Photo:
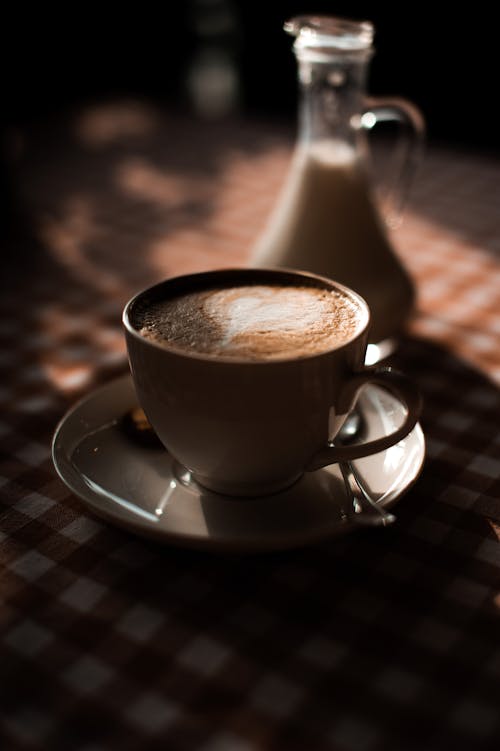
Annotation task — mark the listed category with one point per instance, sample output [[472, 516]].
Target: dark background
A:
[[55, 59]]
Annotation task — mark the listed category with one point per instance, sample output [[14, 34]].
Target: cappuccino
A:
[[252, 321], [246, 375]]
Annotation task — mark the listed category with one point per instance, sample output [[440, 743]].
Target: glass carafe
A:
[[326, 219]]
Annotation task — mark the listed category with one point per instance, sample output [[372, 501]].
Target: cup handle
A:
[[397, 384]]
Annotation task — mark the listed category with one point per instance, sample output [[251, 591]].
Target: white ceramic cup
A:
[[250, 428]]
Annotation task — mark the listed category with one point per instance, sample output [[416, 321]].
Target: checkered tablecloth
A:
[[387, 639]]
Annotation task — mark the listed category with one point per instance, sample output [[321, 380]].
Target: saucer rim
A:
[[93, 500]]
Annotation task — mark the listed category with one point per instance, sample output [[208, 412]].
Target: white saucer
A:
[[139, 488]]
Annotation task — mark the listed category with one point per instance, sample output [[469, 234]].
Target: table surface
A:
[[387, 639]]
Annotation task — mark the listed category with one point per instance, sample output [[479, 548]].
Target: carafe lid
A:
[[329, 34]]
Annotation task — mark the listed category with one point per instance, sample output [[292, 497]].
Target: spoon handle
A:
[[365, 509]]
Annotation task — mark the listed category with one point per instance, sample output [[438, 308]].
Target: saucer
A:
[[143, 489]]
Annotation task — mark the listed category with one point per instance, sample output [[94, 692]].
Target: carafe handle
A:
[[408, 150]]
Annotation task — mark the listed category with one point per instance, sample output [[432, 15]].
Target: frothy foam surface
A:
[[253, 321]]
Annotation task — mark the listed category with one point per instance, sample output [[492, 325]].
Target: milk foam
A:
[[261, 309], [253, 321]]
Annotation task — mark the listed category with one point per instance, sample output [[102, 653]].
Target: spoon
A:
[[366, 509]]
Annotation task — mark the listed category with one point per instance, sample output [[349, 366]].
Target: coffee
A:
[[252, 321]]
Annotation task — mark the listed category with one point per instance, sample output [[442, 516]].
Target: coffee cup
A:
[[247, 375]]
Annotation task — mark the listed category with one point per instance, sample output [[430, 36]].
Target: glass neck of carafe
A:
[[332, 58]]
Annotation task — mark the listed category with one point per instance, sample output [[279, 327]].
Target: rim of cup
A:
[[205, 279]]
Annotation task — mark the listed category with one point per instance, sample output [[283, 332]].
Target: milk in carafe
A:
[[326, 222]]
